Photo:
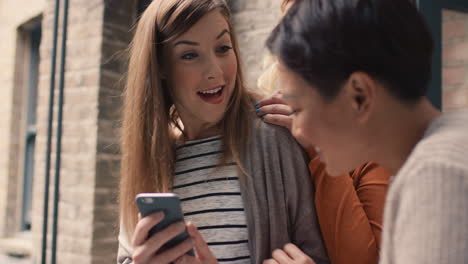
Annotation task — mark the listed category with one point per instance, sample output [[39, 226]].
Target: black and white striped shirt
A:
[[211, 198]]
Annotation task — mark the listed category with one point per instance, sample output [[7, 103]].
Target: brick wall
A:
[[98, 33], [119, 17], [80, 128], [455, 60]]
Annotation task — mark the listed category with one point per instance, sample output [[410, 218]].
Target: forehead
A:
[[294, 87], [290, 80], [209, 26]]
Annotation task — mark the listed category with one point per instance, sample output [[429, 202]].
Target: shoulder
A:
[[274, 147], [370, 173], [444, 146], [272, 135]]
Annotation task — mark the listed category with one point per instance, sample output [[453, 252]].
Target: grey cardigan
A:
[[278, 197]]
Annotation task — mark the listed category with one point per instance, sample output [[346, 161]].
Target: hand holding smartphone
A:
[[169, 204]]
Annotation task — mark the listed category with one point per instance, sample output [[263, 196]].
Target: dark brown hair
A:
[[324, 41]]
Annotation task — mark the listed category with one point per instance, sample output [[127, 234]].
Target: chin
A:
[[214, 115]]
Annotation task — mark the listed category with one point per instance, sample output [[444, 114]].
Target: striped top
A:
[[211, 198]]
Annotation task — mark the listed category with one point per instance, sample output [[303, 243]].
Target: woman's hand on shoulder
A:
[[275, 110], [290, 254]]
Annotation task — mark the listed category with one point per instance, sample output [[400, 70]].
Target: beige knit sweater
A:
[[426, 214]]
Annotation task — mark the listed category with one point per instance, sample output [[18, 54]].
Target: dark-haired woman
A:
[[349, 206], [355, 73]]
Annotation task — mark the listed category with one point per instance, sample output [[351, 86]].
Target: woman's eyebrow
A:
[[193, 43], [222, 33], [186, 42]]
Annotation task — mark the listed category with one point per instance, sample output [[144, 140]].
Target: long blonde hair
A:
[[150, 119]]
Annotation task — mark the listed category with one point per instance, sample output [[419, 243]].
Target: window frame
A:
[[26, 83]]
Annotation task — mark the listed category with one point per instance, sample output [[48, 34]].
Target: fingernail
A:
[[258, 110], [256, 104], [263, 116]]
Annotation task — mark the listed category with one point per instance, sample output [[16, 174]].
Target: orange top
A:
[[350, 211]]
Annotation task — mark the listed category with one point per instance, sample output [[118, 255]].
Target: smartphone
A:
[[169, 203]]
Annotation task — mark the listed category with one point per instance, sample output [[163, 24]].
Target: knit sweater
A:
[[426, 213]]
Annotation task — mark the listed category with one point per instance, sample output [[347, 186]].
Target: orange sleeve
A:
[[350, 211]]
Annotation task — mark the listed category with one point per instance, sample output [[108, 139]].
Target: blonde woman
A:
[[189, 127], [349, 206]]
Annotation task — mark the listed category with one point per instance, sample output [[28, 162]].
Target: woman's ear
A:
[[361, 90]]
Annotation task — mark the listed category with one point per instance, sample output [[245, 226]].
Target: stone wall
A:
[[76, 231], [119, 18], [253, 21]]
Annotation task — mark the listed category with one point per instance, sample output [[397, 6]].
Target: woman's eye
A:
[[224, 49], [189, 56]]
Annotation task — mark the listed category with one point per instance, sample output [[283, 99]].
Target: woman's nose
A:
[[213, 69]]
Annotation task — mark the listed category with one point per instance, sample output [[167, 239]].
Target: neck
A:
[[199, 131], [194, 128], [400, 131]]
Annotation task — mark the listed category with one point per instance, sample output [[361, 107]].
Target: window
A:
[[28, 50]]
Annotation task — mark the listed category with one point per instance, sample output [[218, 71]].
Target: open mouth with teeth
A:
[[213, 96]]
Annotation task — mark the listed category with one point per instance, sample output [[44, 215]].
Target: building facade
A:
[[98, 35]]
